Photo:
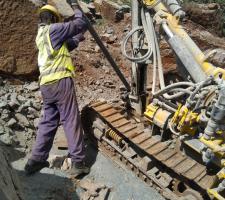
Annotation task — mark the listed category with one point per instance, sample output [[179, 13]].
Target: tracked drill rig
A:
[[172, 136]]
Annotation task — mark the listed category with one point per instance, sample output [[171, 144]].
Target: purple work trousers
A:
[[60, 105]]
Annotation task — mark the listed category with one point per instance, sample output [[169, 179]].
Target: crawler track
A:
[[172, 173]]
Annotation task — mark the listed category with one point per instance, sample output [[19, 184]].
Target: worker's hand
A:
[[73, 3], [80, 37]]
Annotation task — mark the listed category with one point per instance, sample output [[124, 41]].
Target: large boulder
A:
[[18, 25]]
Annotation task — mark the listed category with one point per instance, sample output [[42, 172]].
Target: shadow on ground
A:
[[48, 184], [91, 153]]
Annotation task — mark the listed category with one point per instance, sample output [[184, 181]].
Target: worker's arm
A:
[[63, 32], [72, 43]]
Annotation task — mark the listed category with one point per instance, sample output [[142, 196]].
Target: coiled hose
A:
[[144, 28], [153, 50]]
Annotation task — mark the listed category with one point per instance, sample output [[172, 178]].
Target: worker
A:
[[54, 41]]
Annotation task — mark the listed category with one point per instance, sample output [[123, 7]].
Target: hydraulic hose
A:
[[154, 51], [172, 86], [199, 87], [188, 90], [157, 63], [144, 28]]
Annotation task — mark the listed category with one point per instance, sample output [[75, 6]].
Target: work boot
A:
[[33, 166], [79, 168]]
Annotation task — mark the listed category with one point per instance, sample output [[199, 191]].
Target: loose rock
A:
[[32, 86], [6, 139], [3, 105], [22, 120], [12, 123]]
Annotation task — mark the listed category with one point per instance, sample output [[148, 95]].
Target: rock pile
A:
[[20, 107]]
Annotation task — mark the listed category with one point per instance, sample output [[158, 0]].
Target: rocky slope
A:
[[19, 107]]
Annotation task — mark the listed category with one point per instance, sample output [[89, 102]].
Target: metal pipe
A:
[[174, 7], [135, 75], [197, 54], [187, 59], [135, 22], [167, 30], [217, 116]]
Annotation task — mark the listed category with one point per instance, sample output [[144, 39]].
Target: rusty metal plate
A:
[[114, 117], [157, 148], [99, 103], [175, 160], [149, 143], [197, 179], [185, 166], [195, 171], [132, 133], [103, 108], [127, 128], [207, 181], [166, 154], [120, 123], [140, 130], [109, 112], [141, 138]]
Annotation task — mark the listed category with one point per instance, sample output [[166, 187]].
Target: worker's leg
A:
[[70, 118], [46, 132]]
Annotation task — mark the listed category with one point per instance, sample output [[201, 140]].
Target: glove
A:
[[72, 2], [80, 37]]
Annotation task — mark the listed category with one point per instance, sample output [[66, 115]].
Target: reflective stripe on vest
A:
[[53, 64]]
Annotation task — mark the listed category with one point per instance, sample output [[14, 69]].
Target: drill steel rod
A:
[[106, 53]]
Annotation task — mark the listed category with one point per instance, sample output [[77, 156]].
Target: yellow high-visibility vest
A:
[[53, 64]]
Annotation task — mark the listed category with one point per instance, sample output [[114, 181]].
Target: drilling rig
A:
[[171, 135]]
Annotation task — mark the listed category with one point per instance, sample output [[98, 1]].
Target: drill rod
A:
[[106, 53]]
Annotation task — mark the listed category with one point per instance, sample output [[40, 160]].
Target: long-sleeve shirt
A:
[[70, 32]]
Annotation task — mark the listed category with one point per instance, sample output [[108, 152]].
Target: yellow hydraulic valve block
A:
[[150, 2], [215, 144], [185, 120]]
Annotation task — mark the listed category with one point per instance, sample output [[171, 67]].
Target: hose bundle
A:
[[153, 51]]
